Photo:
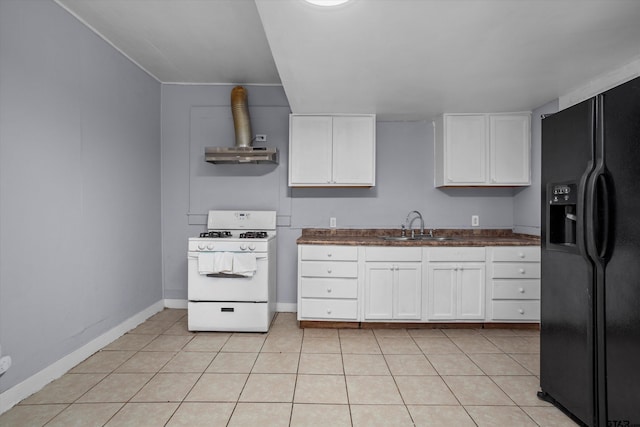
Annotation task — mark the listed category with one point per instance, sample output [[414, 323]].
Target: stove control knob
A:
[[210, 246], [201, 246], [243, 247], [252, 247]]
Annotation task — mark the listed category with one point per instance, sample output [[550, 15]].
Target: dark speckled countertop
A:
[[372, 237]]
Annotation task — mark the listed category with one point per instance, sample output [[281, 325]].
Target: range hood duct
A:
[[243, 151]]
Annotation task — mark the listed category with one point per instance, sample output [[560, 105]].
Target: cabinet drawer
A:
[[328, 309], [386, 254], [516, 289], [322, 252], [457, 254], [328, 269], [516, 253], [328, 288], [516, 310], [516, 270]]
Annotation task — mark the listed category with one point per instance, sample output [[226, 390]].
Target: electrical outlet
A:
[[332, 222], [261, 138], [475, 220]]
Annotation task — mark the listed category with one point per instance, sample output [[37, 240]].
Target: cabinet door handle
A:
[[328, 311], [521, 255], [329, 254], [521, 271], [329, 270], [521, 311], [521, 290], [329, 290]]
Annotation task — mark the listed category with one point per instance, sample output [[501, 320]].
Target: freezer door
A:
[[566, 327], [617, 241]]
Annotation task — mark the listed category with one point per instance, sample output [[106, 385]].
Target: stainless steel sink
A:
[[418, 237], [397, 238], [434, 238]]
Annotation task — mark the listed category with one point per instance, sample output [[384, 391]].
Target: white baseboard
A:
[[286, 307], [35, 382], [175, 303]]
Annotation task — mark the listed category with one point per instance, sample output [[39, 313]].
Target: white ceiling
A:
[[401, 59]]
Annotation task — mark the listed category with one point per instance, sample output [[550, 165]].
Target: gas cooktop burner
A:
[[253, 235], [216, 234]]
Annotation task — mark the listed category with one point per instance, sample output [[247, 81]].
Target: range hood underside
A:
[[236, 155]]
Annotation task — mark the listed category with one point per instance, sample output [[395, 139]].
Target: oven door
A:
[[233, 288]]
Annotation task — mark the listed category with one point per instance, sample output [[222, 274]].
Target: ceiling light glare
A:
[[327, 2]]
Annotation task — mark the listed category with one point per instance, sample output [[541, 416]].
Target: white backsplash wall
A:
[[197, 116]]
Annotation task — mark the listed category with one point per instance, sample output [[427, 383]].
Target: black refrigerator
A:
[[590, 283]]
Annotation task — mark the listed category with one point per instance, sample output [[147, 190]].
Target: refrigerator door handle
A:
[[599, 217]]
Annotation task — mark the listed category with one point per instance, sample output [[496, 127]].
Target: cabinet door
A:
[[510, 148], [354, 150], [378, 291], [471, 294], [466, 149], [442, 291], [407, 291], [310, 152]]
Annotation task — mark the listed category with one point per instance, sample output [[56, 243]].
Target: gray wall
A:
[[526, 213], [79, 187], [197, 116]]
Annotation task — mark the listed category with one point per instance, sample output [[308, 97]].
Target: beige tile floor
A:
[[160, 374]]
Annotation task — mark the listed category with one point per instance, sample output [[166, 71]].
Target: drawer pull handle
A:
[[521, 290], [521, 271], [329, 255], [521, 311], [328, 311], [328, 290], [329, 270], [521, 255]]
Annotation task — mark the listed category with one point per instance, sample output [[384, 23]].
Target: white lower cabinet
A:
[[456, 291], [393, 283], [456, 283], [438, 284], [327, 282], [514, 284]]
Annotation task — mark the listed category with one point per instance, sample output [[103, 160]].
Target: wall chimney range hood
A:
[[241, 155], [243, 151]]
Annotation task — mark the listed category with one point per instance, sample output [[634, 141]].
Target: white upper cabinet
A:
[[483, 150], [332, 151]]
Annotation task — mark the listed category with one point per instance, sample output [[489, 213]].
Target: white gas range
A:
[[232, 272]]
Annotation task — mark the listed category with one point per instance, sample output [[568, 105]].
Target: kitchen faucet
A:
[[418, 215]]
